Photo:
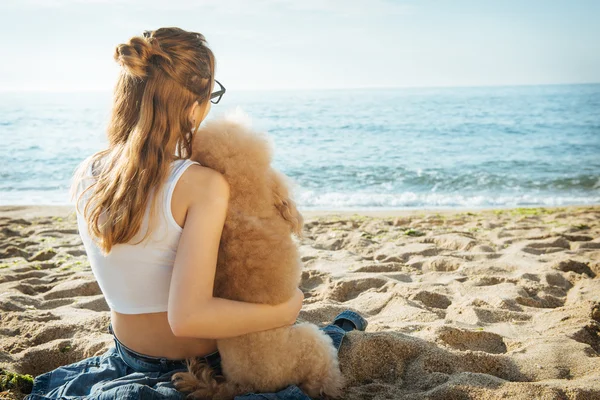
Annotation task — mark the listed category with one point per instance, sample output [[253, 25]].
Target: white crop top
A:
[[135, 278]]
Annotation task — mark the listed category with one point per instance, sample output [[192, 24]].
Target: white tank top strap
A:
[[177, 169]]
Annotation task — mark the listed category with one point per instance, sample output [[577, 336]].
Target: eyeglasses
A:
[[218, 94]]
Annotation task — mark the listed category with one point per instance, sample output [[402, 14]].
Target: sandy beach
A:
[[481, 304]]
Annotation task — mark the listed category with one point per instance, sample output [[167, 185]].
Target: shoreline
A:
[[36, 211]]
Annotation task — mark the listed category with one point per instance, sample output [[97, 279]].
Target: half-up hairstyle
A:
[[163, 73]]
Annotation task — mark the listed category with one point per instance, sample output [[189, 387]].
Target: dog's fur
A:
[[258, 262]]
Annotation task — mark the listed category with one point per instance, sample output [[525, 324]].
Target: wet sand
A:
[[481, 304]]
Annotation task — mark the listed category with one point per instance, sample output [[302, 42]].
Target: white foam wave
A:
[[337, 200]]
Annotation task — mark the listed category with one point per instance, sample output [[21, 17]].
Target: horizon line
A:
[[326, 88]]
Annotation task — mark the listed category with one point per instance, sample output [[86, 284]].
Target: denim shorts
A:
[[121, 373]]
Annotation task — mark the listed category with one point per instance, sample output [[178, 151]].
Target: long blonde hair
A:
[[162, 75]]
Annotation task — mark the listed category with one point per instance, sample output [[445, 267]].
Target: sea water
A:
[[353, 149]]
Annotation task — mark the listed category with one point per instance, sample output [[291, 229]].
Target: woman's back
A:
[[135, 277]]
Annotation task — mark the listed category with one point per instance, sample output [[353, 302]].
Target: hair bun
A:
[[136, 55]]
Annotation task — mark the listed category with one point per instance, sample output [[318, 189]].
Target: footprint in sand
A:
[[479, 340], [392, 270], [395, 358], [43, 255], [590, 333], [380, 267], [550, 245], [393, 253], [22, 303], [481, 256], [490, 280], [47, 356], [432, 299], [540, 301], [442, 264], [452, 241], [314, 284], [577, 238], [74, 288], [94, 303], [31, 290], [76, 253], [9, 233], [31, 267], [312, 278], [558, 280], [22, 276], [345, 290], [481, 315], [574, 266], [13, 252]]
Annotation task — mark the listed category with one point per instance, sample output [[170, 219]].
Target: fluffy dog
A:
[[258, 262]]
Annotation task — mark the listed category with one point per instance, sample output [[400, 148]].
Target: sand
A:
[[489, 304]]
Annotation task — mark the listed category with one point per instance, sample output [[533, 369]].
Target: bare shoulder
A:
[[202, 185]]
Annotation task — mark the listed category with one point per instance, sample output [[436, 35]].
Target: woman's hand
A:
[[291, 308]]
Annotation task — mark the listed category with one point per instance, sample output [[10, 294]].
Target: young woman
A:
[[151, 220]]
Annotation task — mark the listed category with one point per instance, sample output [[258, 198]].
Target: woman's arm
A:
[[193, 311]]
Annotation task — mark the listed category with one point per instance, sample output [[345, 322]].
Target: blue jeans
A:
[[121, 373]]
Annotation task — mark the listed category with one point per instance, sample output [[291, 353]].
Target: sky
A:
[[67, 45]]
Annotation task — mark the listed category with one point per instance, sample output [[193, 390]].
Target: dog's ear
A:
[[285, 205], [289, 212]]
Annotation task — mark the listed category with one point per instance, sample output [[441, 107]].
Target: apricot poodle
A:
[[258, 262]]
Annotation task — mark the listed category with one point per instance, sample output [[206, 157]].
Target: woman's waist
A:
[[151, 334]]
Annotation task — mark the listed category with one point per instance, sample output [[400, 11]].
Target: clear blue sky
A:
[[289, 44]]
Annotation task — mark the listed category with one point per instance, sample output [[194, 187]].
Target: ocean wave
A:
[[313, 200], [400, 179]]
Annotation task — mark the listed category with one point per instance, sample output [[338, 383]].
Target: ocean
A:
[[364, 149]]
